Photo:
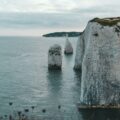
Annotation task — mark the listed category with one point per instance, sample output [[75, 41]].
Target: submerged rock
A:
[[55, 57], [98, 55], [68, 47]]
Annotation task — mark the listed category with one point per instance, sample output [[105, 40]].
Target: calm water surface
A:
[[26, 81]]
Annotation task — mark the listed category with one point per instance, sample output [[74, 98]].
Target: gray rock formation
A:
[[98, 55], [68, 47], [55, 57]]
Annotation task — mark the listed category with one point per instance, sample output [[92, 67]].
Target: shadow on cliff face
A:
[[108, 114]]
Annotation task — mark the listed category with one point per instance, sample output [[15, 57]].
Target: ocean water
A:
[[26, 81]]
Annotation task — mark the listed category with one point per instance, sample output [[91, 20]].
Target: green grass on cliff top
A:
[[107, 21]]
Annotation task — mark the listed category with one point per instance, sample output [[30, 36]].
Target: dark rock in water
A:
[[44, 110], [19, 113], [26, 110], [59, 106], [10, 103], [33, 107], [55, 57], [98, 55]]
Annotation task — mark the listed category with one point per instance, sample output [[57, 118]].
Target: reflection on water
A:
[[103, 114], [54, 78], [77, 80], [77, 77], [68, 57]]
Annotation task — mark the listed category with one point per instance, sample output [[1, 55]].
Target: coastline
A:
[[85, 107]]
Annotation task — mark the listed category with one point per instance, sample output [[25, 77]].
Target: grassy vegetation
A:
[[62, 34], [107, 21]]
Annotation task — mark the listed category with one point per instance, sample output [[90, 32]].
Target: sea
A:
[[25, 81]]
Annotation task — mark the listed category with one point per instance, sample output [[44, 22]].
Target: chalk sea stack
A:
[[98, 56], [68, 48], [55, 57]]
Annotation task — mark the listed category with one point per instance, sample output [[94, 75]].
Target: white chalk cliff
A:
[[98, 56], [68, 47], [55, 57], [79, 53]]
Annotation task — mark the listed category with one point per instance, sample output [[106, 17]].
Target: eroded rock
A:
[[55, 57]]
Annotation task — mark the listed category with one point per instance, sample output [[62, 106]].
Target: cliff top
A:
[[107, 21]]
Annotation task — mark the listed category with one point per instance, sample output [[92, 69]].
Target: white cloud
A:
[[46, 5], [52, 15], [57, 6]]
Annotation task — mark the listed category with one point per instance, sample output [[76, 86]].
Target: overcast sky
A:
[[36, 17]]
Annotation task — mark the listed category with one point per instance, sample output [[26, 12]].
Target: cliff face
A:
[[98, 55], [79, 53]]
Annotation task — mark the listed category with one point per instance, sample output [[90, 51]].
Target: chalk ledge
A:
[[85, 107]]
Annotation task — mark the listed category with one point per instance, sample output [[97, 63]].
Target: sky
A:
[[37, 17]]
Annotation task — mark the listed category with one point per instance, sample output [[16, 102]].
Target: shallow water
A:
[[26, 81]]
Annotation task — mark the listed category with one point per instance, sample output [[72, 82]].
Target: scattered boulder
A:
[[55, 57]]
